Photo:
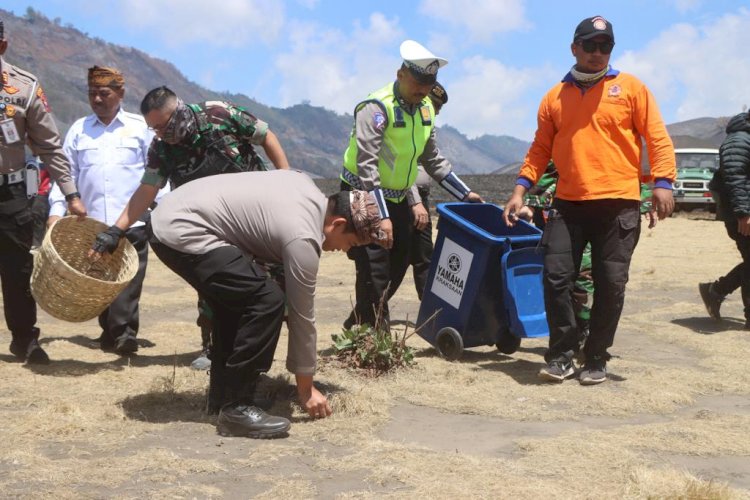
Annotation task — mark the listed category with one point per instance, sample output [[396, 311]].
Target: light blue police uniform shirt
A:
[[106, 163]]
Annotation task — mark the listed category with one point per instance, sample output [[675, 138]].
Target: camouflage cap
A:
[[2, 30]]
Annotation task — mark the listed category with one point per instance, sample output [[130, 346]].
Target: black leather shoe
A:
[[35, 355], [126, 344], [32, 353], [237, 419], [106, 343], [17, 351]]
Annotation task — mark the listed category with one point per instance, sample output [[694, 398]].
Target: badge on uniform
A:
[[614, 91], [10, 132], [426, 118], [10, 111]]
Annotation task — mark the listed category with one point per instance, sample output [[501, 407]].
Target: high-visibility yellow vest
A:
[[403, 142]]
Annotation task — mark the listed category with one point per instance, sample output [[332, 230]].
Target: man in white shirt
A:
[[107, 152]]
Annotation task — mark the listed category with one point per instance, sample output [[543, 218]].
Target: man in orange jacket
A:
[[591, 125]]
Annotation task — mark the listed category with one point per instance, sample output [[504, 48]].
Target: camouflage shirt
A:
[[541, 194], [226, 136]]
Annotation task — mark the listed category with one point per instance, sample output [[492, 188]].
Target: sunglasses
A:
[[590, 46]]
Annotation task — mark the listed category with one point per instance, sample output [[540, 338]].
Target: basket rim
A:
[[88, 220]]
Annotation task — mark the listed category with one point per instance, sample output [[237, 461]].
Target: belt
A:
[[356, 183], [13, 177]]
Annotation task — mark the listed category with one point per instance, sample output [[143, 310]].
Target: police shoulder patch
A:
[[42, 97], [378, 120]]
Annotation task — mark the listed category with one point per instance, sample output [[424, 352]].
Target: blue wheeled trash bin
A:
[[485, 282]]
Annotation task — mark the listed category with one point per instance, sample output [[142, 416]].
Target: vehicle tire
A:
[[508, 343], [449, 343]]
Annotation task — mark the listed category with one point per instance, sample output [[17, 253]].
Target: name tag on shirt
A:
[[10, 132]]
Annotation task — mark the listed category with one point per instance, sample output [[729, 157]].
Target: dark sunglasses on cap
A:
[[590, 46]]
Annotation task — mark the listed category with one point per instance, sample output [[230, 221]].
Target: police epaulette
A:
[[24, 73]]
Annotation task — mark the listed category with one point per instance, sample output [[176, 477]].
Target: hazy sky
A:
[[503, 54]]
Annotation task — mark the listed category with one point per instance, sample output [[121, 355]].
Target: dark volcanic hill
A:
[[314, 138]]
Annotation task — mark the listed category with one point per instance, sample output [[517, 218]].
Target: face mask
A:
[[181, 125]]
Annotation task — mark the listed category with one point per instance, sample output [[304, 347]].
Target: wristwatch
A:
[[72, 196]]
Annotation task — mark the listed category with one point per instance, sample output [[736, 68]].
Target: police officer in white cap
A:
[[393, 132]]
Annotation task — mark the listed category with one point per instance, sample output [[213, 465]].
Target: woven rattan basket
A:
[[66, 284]]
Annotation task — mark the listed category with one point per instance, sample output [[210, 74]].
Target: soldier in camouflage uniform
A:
[[539, 198], [193, 141], [25, 118]]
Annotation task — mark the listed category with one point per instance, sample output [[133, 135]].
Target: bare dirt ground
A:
[[672, 421]]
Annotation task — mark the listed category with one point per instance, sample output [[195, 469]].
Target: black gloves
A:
[[107, 241]]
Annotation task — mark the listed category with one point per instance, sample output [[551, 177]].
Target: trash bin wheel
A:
[[449, 343], [508, 343]]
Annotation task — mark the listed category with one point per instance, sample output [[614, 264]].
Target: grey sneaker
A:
[[711, 300], [594, 371], [237, 419], [557, 370], [202, 362]]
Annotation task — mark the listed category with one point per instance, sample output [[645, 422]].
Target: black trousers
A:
[[248, 310], [379, 269], [122, 316], [739, 276], [16, 263], [39, 213], [613, 228], [420, 253]]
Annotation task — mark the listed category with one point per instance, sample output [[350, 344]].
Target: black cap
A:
[[2, 31], [592, 27]]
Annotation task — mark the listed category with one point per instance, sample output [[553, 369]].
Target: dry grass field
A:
[[672, 421]]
